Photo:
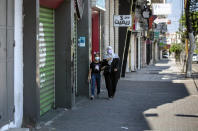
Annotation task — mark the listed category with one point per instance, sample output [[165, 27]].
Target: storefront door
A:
[[95, 33]]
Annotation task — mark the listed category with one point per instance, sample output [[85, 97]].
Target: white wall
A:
[[18, 69]]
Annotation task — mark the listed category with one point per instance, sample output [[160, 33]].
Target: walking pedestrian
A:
[[94, 75], [111, 71]]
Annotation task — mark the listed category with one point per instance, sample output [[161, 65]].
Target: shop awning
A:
[[51, 3]]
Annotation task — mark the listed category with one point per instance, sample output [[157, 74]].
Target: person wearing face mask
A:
[[94, 75], [111, 71]]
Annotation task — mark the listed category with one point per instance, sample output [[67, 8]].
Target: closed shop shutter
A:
[[3, 74], [46, 59], [6, 61]]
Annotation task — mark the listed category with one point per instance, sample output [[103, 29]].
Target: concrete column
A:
[[160, 54], [64, 19], [31, 93], [139, 53], [116, 29], [18, 64], [107, 25], [84, 53], [132, 42], [156, 52], [111, 27]]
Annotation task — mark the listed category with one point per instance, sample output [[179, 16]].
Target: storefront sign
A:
[[79, 5], [161, 9], [81, 42], [122, 20]]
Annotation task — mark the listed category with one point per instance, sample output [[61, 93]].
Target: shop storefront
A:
[[49, 57]]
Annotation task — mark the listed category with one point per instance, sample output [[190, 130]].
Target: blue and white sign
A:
[[81, 42]]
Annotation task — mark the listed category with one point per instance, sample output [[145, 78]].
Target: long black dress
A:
[[111, 76]]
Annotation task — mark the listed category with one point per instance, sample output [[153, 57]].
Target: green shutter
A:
[[46, 59]]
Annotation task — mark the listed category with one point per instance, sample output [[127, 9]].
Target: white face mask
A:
[[109, 51], [97, 58]]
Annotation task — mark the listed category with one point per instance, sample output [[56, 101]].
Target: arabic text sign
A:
[[122, 20], [161, 9]]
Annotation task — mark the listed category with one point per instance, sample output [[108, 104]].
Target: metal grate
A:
[[46, 59]]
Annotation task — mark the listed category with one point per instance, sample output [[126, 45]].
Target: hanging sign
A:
[[122, 20], [161, 9]]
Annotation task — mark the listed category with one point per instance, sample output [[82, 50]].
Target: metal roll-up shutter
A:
[[46, 59], [6, 61]]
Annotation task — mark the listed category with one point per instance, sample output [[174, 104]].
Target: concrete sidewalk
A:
[[143, 101]]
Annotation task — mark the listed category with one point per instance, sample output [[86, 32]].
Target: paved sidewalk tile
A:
[[156, 98]]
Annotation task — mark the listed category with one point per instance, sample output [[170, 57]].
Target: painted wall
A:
[[63, 39], [18, 68]]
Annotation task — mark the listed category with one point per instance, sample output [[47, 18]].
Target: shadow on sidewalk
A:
[[144, 95]]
